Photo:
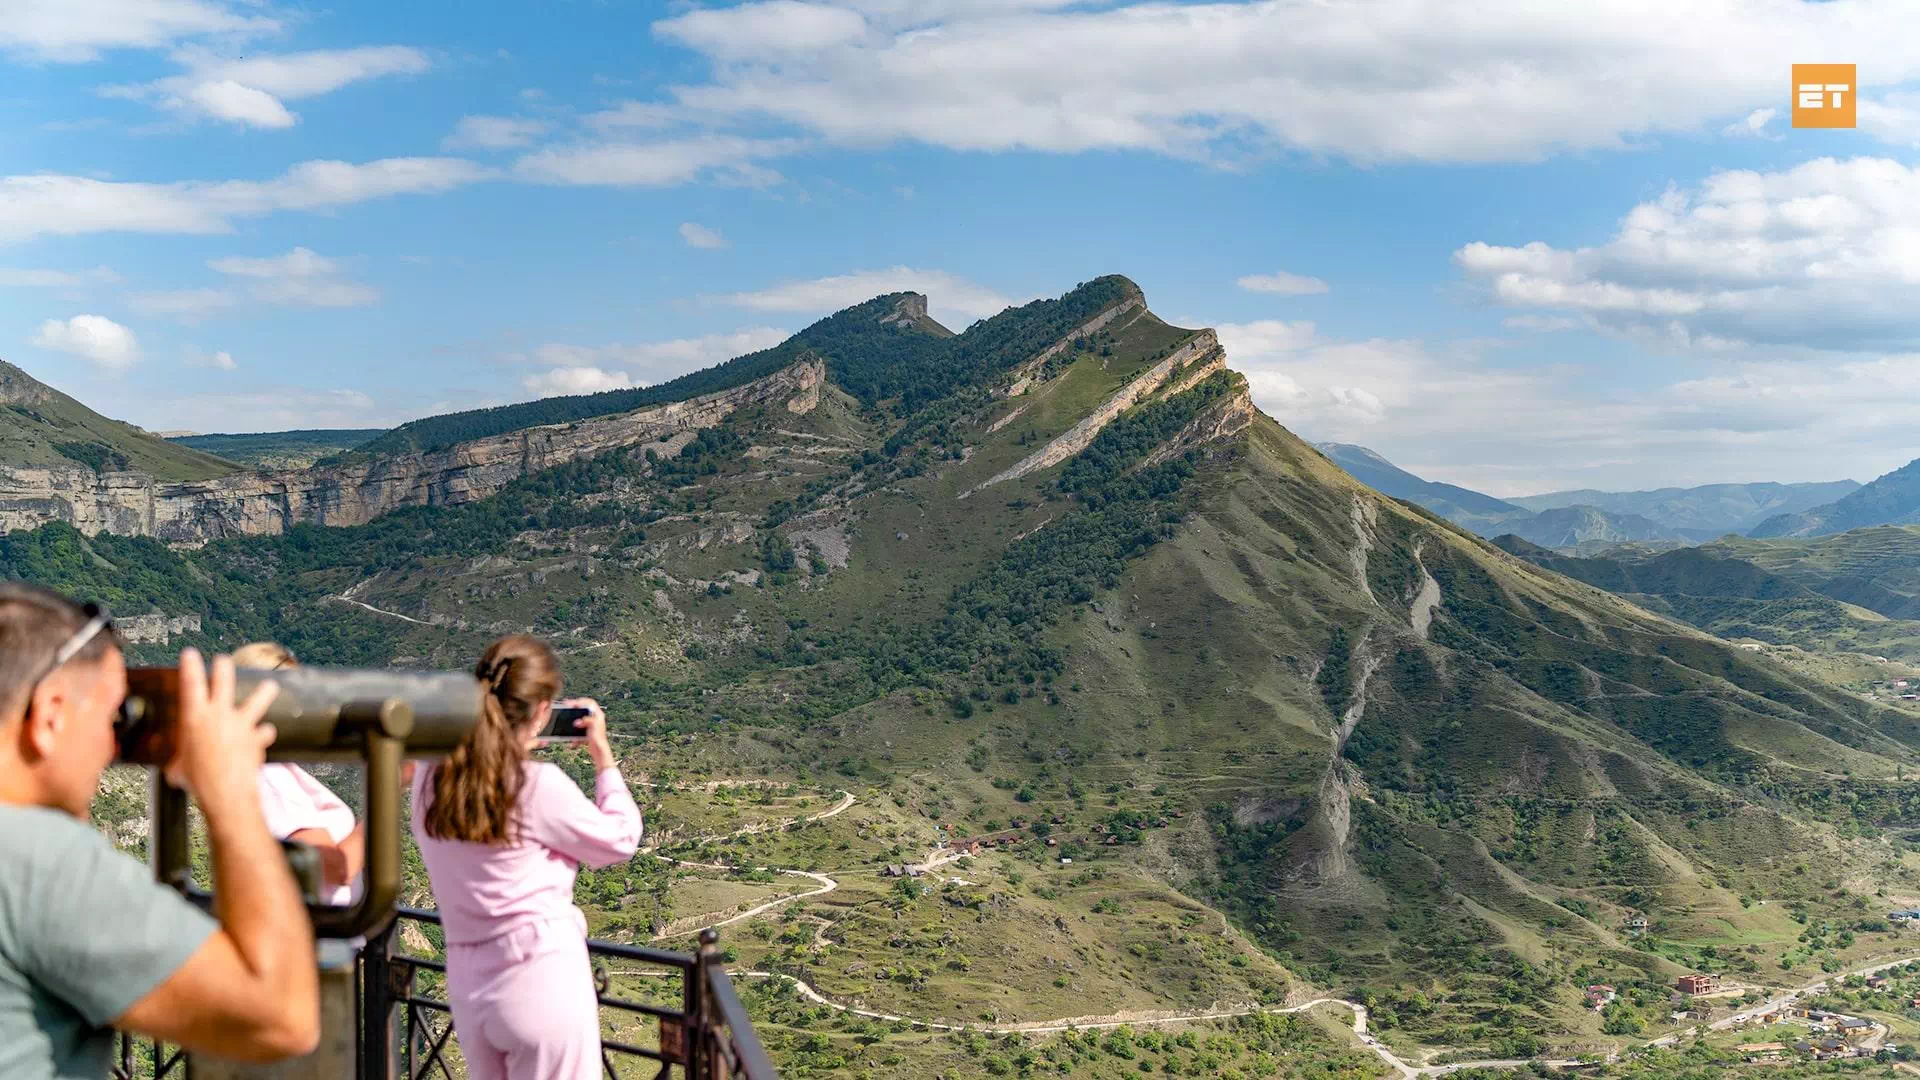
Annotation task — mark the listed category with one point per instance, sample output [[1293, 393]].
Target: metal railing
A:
[[406, 1024]]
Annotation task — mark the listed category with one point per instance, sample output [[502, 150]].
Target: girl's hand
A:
[[594, 726]]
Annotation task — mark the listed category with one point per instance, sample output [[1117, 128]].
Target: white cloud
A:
[[1264, 337], [300, 262], [699, 236], [953, 300], [219, 361], [493, 133], [50, 204], [189, 306], [91, 337], [656, 361], [575, 380], [1753, 127], [244, 105], [726, 158], [1420, 80], [251, 90], [21, 278], [79, 30], [1824, 255], [298, 278], [758, 31], [1282, 283]]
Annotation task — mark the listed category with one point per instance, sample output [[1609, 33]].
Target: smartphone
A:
[[560, 723]]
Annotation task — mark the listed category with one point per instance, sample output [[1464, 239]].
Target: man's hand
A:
[[594, 725], [251, 992], [219, 746]]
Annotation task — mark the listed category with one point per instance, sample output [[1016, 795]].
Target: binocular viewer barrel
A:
[[372, 717], [320, 714]]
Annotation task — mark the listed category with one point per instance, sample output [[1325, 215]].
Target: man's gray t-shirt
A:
[[85, 932]]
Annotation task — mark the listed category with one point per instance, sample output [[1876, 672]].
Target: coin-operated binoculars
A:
[[375, 718]]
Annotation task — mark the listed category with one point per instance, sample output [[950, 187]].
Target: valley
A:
[[1255, 756]]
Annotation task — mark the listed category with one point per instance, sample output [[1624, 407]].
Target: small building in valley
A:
[[1697, 984]]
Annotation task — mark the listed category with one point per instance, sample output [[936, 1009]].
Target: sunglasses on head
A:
[[98, 621]]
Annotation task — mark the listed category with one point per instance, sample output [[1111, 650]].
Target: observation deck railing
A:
[[406, 1027]]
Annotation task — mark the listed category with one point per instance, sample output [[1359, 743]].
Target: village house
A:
[[1637, 924], [1599, 996], [1902, 916], [1854, 1027], [1876, 982], [1697, 984]]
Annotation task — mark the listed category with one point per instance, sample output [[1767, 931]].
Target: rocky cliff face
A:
[[353, 493]]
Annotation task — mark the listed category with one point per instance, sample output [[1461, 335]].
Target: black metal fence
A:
[[406, 1024]]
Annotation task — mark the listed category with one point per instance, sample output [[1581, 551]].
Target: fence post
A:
[[376, 998], [699, 1008]]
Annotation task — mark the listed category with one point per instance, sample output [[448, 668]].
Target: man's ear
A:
[[46, 718]]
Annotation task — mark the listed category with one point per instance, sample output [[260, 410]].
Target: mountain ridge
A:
[[1892, 499]]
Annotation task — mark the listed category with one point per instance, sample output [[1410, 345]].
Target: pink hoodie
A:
[[485, 890]]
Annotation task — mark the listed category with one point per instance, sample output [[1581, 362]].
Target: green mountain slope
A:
[[1699, 513], [1893, 499], [42, 426], [1295, 737], [279, 449]]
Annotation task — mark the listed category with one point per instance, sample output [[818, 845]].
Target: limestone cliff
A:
[[1202, 350], [357, 491]]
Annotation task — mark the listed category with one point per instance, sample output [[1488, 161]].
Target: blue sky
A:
[[1510, 246]]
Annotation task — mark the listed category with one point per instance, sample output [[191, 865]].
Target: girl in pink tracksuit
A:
[[503, 837]]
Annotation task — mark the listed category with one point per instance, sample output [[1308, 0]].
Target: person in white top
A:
[[300, 808]]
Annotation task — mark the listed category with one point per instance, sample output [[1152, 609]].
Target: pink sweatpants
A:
[[524, 1006]]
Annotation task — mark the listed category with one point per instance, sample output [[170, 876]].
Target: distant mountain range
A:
[[1586, 519], [1700, 513], [1893, 499]]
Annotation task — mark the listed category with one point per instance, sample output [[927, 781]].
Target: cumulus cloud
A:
[[1281, 283], [72, 31], [1824, 255], [251, 90], [951, 299], [493, 133], [558, 382], [1508, 80], [51, 204], [90, 337], [699, 236], [655, 361]]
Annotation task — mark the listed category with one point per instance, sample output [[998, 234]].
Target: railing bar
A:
[[657, 1011], [746, 1043], [434, 1058], [629, 1048]]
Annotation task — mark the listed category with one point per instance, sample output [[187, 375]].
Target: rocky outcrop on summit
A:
[[356, 492], [1203, 347]]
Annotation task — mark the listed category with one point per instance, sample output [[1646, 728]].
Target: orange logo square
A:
[[1824, 95]]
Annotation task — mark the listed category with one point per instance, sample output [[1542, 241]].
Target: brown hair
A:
[[477, 788], [266, 655], [34, 623]]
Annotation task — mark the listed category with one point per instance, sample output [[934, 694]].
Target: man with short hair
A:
[[89, 941]]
